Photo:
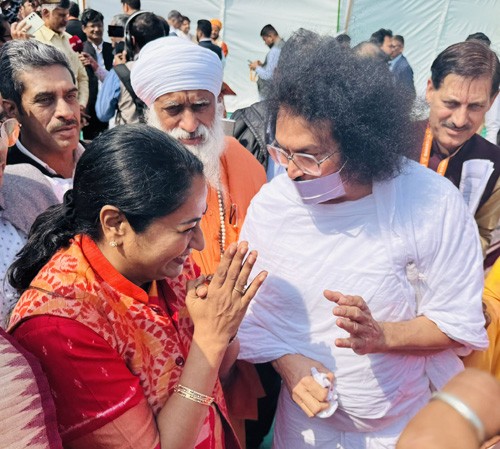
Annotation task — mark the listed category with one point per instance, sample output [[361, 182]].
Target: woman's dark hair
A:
[[138, 169]]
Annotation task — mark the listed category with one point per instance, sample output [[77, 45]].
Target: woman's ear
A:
[[114, 224]]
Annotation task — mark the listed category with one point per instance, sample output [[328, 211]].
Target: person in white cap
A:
[[180, 82]]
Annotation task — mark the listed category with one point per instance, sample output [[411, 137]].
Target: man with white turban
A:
[[180, 82]]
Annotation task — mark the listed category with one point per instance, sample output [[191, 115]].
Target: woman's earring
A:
[[113, 244]]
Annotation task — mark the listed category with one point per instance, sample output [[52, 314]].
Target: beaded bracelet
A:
[[462, 409], [192, 395]]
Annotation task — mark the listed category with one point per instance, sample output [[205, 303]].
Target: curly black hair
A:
[[318, 79]]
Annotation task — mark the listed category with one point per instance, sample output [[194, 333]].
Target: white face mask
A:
[[320, 190]]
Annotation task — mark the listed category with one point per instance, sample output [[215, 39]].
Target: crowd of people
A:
[[167, 283]]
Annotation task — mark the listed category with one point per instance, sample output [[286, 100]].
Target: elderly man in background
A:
[[185, 105], [463, 85], [174, 20], [375, 265], [39, 90]]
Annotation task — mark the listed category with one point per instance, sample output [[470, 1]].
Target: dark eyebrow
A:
[[195, 220], [42, 95]]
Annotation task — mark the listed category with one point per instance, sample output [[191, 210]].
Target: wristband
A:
[[192, 395], [464, 410]]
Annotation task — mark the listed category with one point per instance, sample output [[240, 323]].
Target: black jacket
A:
[[95, 126], [211, 46]]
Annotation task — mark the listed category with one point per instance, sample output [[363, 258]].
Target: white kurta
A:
[[363, 248]]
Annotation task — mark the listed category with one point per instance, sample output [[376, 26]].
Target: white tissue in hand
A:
[[323, 380]]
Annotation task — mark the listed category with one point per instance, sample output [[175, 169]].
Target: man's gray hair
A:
[[119, 20], [174, 15], [21, 56]]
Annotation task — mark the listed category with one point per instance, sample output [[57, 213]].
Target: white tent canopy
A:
[[427, 26]]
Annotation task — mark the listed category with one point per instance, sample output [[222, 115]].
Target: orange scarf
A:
[[79, 283]]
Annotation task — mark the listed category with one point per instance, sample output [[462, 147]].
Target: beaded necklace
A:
[[222, 236]]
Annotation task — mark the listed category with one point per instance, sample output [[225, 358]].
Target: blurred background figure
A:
[[174, 19], [265, 70], [400, 68], [27, 7], [491, 128], [216, 38], [383, 40], [203, 32], [344, 39], [97, 58], [186, 29], [131, 6], [74, 26], [5, 35]]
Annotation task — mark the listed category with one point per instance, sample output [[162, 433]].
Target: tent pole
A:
[[338, 15], [348, 15]]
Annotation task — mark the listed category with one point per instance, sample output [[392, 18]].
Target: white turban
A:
[[170, 64]]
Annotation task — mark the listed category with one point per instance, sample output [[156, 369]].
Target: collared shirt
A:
[[59, 185], [392, 63], [266, 71], [101, 71], [107, 98], [61, 42]]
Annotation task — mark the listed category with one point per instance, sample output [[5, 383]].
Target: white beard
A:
[[208, 151]]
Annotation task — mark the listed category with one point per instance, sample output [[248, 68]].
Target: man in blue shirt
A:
[[265, 70], [114, 97]]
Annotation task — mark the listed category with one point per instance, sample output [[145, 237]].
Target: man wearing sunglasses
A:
[[375, 264], [24, 193]]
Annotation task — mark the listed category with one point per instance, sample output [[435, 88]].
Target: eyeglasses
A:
[[9, 132], [304, 162]]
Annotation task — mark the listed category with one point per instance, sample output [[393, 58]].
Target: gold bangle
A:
[[192, 395]]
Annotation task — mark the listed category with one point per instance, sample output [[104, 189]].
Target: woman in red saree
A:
[[132, 341]]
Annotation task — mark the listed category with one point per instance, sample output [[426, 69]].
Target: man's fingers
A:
[[302, 405], [345, 300], [332, 295], [310, 396], [358, 345], [352, 327], [351, 313]]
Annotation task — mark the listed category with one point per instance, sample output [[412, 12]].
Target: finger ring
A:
[[241, 292]]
